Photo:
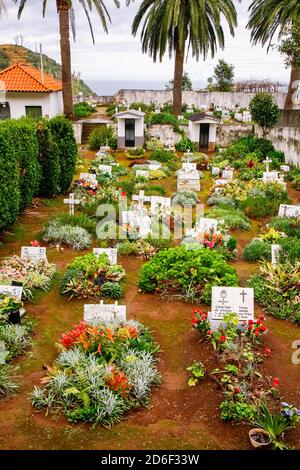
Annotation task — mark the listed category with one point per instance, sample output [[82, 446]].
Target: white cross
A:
[[71, 202], [267, 162], [141, 198]]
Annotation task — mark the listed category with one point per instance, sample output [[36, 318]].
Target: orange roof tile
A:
[[25, 78]]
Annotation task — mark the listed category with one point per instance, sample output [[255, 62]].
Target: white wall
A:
[[194, 131], [51, 103], [139, 127], [286, 139], [197, 98]]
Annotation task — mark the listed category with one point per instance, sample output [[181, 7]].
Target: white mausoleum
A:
[[203, 131], [130, 128]]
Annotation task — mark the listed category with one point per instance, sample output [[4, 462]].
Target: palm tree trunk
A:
[[63, 7], [177, 86], [290, 101]]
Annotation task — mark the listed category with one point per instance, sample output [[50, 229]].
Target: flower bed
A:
[[33, 275], [102, 372], [248, 395], [186, 274], [92, 276]]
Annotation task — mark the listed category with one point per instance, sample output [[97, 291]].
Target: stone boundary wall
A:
[[286, 139], [197, 98]]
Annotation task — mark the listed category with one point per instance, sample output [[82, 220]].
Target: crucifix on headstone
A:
[[267, 162], [141, 198], [243, 294], [71, 202]]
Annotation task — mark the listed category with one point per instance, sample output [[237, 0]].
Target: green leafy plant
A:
[[102, 136], [257, 250], [76, 237], [185, 144], [197, 371]]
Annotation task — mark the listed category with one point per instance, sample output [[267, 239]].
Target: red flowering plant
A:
[[211, 239], [118, 382], [256, 329], [200, 320], [72, 337], [35, 243]]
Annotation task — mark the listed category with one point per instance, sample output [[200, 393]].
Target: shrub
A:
[[111, 290], [163, 156], [83, 109], [186, 273], [8, 383], [233, 218], [79, 220], [290, 226], [218, 200], [48, 155], [185, 198], [87, 275], [276, 288], [164, 118], [290, 249], [137, 152], [102, 136], [102, 371], [128, 248], [260, 206], [75, 237], [156, 189], [23, 134], [257, 250], [16, 338], [9, 179], [157, 175], [63, 134], [185, 144]]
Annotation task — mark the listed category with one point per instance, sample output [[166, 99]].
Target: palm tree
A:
[[268, 17], [66, 19], [181, 25]]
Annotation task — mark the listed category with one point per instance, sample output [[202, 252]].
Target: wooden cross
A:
[[71, 202]]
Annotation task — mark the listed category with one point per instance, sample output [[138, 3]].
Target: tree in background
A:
[[264, 112], [187, 84], [65, 13], [223, 78], [179, 26], [290, 48], [268, 17]]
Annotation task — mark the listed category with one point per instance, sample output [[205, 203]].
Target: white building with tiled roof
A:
[[26, 91]]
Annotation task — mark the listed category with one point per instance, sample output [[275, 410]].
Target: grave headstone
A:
[[88, 177], [206, 225], [267, 162], [236, 300], [95, 313], [105, 169], [275, 254], [141, 198], [71, 203], [227, 174], [160, 204], [215, 171], [112, 254], [188, 180], [33, 253], [270, 176], [289, 211], [153, 165], [142, 174], [285, 168], [189, 166], [12, 291], [3, 353]]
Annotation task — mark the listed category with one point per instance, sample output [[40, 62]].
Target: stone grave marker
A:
[[3, 353], [112, 254], [270, 176], [142, 174], [71, 203], [153, 165], [285, 168], [12, 291], [160, 204], [33, 253], [95, 313], [105, 169], [215, 171], [289, 211], [275, 254], [206, 225], [227, 174], [88, 178], [189, 166], [141, 198], [188, 180], [225, 300]]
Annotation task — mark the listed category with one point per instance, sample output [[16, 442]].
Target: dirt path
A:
[[179, 417]]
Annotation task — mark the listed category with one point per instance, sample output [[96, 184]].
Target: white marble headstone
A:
[[160, 204], [227, 174], [238, 300], [205, 225], [95, 313], [153, 165], [105, 169], [285, 168], [142, 173], [88, 177], [33, 253], [215, 171], [112, 254], [12, 291], [276, 254], [189, 166], [289, 211]]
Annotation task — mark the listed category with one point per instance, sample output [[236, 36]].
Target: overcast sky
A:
[[118, 56]]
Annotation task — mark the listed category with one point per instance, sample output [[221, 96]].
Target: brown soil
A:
[[179, 417]]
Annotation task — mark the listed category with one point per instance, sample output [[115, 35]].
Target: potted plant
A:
[[260, 437], [10, 308]]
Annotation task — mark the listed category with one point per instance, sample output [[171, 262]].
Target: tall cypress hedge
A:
[[9, 179], [49, 161], [63, 134], [23, 133]]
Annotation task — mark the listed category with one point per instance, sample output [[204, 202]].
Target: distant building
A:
[[203, 131], [130, 128], [25, 91]]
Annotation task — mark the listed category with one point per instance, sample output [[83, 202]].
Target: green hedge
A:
[[37, 158], [9, 180], [63, 135], [49, 161], [23, 134]]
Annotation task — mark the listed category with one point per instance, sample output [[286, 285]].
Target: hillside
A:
[[10, 54]]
